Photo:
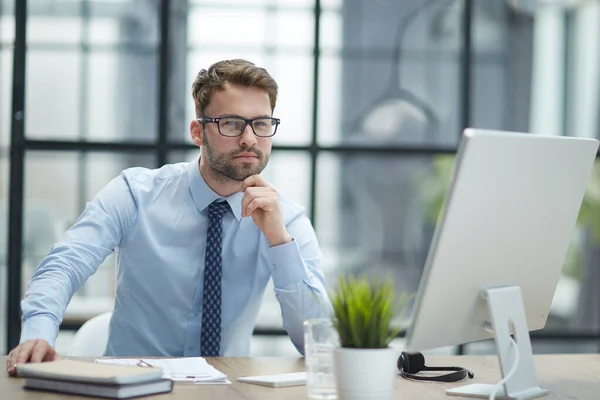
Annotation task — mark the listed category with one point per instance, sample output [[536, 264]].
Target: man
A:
[[196, 242]]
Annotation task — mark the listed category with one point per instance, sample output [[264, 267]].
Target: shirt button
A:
[[195, 312]]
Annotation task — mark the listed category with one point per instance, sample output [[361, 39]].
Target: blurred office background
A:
[[374, 96]]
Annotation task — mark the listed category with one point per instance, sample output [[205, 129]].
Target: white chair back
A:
[[91, 339]]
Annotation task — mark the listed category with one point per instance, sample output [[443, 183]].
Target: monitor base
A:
[[515, 356], [481, 390]]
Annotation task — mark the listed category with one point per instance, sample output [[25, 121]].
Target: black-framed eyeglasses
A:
[[234, 126]]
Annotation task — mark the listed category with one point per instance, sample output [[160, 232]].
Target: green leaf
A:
[[364, 311]]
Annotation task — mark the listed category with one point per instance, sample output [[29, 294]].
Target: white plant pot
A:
[[365, 374]]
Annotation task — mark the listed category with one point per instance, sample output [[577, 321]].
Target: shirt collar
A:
[[203, 195]]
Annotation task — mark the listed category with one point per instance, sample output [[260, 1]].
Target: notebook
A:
[[99, 390], [92, 379]]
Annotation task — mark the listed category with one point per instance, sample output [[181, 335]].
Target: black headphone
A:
[[410, 364]]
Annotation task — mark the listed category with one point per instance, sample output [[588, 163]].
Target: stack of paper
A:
[[187, 369]]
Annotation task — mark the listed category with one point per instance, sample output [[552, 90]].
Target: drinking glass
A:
[[320, 339]]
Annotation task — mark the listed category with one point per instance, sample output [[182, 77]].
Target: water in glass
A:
[[320, 341]]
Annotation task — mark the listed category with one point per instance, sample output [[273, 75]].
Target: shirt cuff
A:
[[287, 265], [40, 327]]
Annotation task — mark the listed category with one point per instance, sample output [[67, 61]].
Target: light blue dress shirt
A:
[[156, 221]]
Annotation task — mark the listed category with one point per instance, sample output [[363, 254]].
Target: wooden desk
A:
[[570, 377]]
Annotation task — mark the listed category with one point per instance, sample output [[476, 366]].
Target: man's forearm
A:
[[300, 291]]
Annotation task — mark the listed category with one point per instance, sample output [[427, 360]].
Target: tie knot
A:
[[217, 209]]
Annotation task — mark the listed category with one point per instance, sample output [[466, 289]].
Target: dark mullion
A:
[[466, 69], [17, 170], [64, 145], [465, 93], [314, 147], [564, 335], [550, 336], [163, 82], [535, 336], [391, 151], [83, 103]]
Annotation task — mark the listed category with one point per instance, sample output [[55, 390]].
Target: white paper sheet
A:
[[186, 369]]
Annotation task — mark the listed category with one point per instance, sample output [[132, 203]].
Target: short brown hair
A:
[[234, 72]]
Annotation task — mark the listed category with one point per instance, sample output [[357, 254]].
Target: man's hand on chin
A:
[[261, 202]]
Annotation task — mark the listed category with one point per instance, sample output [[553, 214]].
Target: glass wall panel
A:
[[57, 187], [92, 70]]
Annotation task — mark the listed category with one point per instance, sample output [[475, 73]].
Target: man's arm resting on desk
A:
[[69, 264]]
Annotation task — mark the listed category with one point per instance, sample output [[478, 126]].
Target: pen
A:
[[142, 363], [182, 376]]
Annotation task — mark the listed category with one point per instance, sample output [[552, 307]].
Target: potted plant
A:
[[365, 364]]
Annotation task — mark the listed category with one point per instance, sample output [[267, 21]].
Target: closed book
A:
[[93, 379], [100, 390]]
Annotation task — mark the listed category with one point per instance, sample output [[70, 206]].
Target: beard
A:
[[225, 169]]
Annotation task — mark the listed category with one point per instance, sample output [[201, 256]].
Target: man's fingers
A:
[[10, 360], [31, 350], [12, 370], [246, 199], [10, 363], [254, 180], [51, 354], [40, 351], [249, 198], [18, 355], [261, 202], [24, 352], [252, 193]]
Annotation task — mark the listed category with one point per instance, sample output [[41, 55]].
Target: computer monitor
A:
[[499, 248]]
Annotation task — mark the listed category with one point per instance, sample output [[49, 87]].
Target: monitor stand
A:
[[507, 313]]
